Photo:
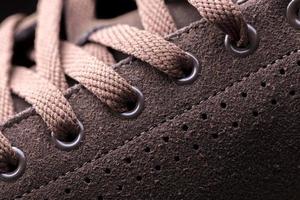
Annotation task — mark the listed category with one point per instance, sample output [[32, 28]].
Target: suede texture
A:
[[243, 151], [230, 155]]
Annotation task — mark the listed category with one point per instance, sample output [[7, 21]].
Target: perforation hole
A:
[[176, 158], [184, 127], [282, 71], [204, 116], [254, 113], [67, 190], [157, 167], [263, 84], [235, 124], [87, 180], [292, 92], [119, 187], [165, 139], [273, 102], [107, 171], [298, 62], [127, 160], [215, 135], [244, 94], [147, 149], [223, 105], [100, 197], [196, 146], [138, 178]]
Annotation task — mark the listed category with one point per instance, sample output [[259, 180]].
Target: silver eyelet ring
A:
[[139, 106], [243, 52], [194, 73], [239, 2], [292, 13], [19, 171], [68, 146]]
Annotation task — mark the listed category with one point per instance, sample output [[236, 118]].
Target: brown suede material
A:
[[219, 170], [233, 154]]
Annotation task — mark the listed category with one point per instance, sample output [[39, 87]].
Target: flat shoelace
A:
[[43, 85]]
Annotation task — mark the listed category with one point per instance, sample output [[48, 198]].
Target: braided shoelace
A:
[[43, 85]]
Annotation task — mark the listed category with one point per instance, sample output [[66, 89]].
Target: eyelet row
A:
[[293, 18], [69, 146]]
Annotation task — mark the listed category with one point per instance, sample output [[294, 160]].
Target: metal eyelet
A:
[[243, 52], [139, 106], [189, 79], [293, 13], [68, 146], [239, 2], [19, 171]]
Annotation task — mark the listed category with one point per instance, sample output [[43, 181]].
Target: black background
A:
[[105, 8], [9, 7]]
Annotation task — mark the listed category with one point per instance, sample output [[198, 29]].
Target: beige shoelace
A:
[[43, 85]]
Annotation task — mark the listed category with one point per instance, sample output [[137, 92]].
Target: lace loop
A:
[[193, 71], [47, 100], [70, 143], [226, 16], [97, 77], [247, 50], [138, 105], [18, 168], [151, 48]]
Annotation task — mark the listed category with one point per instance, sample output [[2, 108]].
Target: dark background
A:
[[105, 8], [9, 7]]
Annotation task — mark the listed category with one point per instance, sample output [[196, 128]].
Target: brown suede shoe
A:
[[206, 106]]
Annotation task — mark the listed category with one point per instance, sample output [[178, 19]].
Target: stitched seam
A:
[[159, 124]]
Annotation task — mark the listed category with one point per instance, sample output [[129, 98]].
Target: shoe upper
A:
[[231, 134]]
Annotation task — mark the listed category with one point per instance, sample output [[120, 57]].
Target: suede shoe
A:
[[206, 104]]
